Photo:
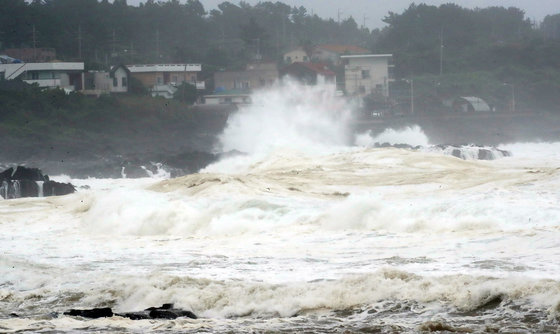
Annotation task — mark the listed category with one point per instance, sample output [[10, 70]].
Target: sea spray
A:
[[413, 136], [289, 115]]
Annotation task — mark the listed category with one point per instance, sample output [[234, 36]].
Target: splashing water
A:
[[313, 235], [290, 115], [413, 136]]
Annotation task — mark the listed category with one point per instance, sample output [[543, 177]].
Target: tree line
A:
[[453, 49]]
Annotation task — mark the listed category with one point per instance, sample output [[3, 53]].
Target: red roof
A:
[[344, 49]]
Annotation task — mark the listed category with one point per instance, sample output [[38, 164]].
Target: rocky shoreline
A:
[[184, 152], [22, 181], [166, 311]]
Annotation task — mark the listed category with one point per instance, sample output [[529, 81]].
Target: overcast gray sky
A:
[[375, 10]]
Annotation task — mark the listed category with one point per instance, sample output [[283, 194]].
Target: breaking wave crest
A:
[[289, 115]]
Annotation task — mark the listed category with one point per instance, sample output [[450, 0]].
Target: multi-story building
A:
[[367, 74], [255, 76], [107, 82], [163, 79], [65, 75]]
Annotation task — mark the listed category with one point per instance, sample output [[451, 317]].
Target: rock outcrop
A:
[[465, 152], [166, 311], [30, 182]]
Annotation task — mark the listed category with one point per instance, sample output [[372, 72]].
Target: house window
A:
[[124, 82], [115, 82], [34, 75], [365, 74], [288, 59], [174, 79], [245, 85], [159, 80]]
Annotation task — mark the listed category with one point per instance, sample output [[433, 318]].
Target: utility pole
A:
[[338, 15], [157, 45], [411, 96], [441, 52], [512, 96], [34, 44], [365, 19], [411, 82], [80, 41], [284, 29], [113, 47]]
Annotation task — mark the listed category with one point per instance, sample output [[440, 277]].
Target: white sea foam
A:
[[413, 136], [302, 225], [289, 116]]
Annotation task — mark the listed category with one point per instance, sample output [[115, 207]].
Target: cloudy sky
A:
[[375, 10]]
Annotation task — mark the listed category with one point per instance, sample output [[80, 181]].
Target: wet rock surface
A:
[[462, 151], [166, 311], [30, 182]]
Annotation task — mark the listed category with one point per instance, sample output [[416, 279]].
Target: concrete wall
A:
[[252, 79], [150, 79], [367, 75]]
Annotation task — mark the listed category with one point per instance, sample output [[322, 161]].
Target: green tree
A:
[[186, 93]]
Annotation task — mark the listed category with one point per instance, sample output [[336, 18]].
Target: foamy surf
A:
[[308, 232]]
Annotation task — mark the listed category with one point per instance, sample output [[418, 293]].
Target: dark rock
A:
[[406, 146], [27, 182], [456, 153], [25, 173], [162, 314], [135, 315], [485, 154], [29, 188], [7, 174], [166, 311], [504, 153], [187, 314], [52, 188], [94, 313]]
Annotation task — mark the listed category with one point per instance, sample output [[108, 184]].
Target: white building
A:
[[295, 56], [367, 74], [103, 82], [332, 53], [68, 76], [162, 79]]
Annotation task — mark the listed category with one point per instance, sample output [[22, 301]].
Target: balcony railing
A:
[[45, 82]]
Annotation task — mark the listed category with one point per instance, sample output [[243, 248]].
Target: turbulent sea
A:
[[310, 229]]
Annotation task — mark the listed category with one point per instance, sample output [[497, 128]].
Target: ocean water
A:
[[310, 230]]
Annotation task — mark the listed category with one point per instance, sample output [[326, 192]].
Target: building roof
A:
[[343, 49], [116, 67], [12, 71], [145, 68], [477, 103], [318, 68], [388, 55]]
